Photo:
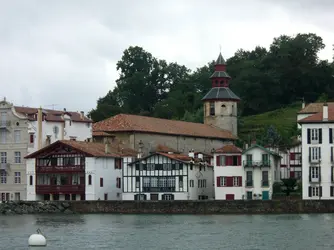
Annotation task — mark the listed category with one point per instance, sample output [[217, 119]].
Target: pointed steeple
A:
[[220, 60]]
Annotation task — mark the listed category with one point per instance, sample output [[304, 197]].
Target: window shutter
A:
[[320, 135], [308, 136], [239, 160], [218, 160], [240, 181], [332, 174], [309, 174], [320, 191], [229, 181], [319, 152], [319, 174], [330, 135], [331, 154], [309, 154], [309, 191], [172, 196], [292, 156], [218, 181], [331, 191]]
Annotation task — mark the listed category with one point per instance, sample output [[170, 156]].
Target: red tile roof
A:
[[315, 107], [91, 149], [229, 149], [52, 115], [165, 149], [317, 118], [135, 123]]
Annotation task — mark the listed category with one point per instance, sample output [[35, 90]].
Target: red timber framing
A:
[[60, 170]]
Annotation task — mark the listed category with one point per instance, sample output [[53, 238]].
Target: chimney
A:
[[82, 115], [39, 126], [107, 148], [191, 153], [246, 146], [325, 112], [303, 104], [64, 109]]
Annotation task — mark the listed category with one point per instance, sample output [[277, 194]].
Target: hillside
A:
[[284, 120]]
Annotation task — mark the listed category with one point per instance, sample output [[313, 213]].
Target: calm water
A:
[[171, 231]]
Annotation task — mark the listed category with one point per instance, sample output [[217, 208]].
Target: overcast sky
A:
[[64, 52]]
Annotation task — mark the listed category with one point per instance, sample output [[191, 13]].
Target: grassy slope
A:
[[283, 119]]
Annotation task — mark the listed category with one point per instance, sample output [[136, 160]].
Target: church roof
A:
[[145, 124], [220, 60], [220, 93]]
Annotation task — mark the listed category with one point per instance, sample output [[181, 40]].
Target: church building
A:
[[146, 133]]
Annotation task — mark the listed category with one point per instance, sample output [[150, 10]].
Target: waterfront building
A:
[[168, 175], [317, 157], [24, 130], [261, 171], [311, 109], [77, 170], [228, 173], [219, 128]]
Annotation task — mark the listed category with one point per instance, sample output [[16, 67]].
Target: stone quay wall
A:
[[169, 207]]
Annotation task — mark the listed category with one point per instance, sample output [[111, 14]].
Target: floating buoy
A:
[[37, 239]]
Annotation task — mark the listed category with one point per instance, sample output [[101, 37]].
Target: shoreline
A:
[[209, 207]]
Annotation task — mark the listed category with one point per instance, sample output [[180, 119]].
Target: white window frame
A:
[[314, 135], [235, 181], [3, 177], [191, 183], [17, 157], [315, 154], [17, 177], [314, 173], [3, 136], [168, 197], [17, 136], [222, 181], [3, 156], [315, 191]]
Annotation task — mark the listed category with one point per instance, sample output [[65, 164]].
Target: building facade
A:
[[291, 162], [168, 176], [317, 157], [21, 133], [228, 173], [76, 170], [261, 171]]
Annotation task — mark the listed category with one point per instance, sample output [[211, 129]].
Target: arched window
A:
[[89, 180], [30, 180]]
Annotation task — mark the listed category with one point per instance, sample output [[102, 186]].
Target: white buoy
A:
[[37, 239]]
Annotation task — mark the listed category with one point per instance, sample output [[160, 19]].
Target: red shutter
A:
[[218, 181], [218, 160], [240, 181], [229, 181], [230, 160], [31, 138], [292, 156], [239, 160]]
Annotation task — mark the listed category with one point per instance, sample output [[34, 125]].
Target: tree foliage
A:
[[265, 80]]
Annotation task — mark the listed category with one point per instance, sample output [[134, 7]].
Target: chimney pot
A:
[[64, 109], [325, 112]]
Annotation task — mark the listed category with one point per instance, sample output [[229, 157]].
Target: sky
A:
[[63, 54]]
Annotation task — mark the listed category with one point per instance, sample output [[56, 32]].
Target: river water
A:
[[139, 232]]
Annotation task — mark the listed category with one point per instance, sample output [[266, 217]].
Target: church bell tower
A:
[[220, 103]]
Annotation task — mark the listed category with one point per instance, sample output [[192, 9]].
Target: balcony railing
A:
[[158, 189], [265, 183], [60, 169], [58, 189], [256, 163], [4, 124], [249, 183]]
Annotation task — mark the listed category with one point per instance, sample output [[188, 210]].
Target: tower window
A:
[[212, 108]]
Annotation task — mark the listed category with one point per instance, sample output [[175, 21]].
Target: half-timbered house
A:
[[168, 176], [76, 170]]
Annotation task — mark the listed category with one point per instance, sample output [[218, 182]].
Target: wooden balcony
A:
[[60, 189], [60, 169]]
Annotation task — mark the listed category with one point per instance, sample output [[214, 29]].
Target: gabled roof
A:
[[221, 93], [315, 107], [164, 149], [145, 124], [318, 117], [263, 148], [229, 149], [52, 115], [90, 149]]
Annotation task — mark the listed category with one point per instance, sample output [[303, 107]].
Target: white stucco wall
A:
[[31, 189], [102, 168]]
